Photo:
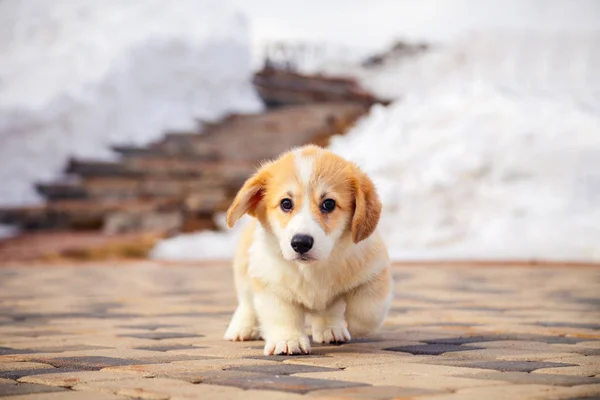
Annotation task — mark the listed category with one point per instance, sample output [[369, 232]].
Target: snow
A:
[[542, 65], [357, 26], [493, 152], [7, 231], [76, 76], [201, 245], [477, 172]]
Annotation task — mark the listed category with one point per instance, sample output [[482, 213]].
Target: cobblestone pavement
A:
[[154, 332]]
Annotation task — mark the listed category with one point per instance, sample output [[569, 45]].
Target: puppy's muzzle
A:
[[302, 243]]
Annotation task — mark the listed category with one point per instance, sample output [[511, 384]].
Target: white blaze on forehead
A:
[[304, 166]]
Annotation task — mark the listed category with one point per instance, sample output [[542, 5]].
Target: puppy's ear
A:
[[248, 197], [367, 209]]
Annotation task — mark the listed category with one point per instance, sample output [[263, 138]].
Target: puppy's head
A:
[[309, 199]]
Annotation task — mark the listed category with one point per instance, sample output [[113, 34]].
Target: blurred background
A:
[[126, 127]]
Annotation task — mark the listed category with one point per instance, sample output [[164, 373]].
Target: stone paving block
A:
[[506, 366], [17, 374], [574, 359], [170, 348], [547, 356], [495, 337], [595, 344], [33, 333], [579, 370], [70, 379], [493, 354], [90, 363], [62, 395], [587, 392], [251, 380], [161, 388], [408, 375], [33, 349], [374, 393], [187, 370], [591, 326], [27, 388], [281, 369], [9, 350], [508, 392], [96, 359], [353, 359], [589, 351], [367, 345], [20, 366], [224, 349], [162, 335], [15, 370], [149, 327], [434, 349], [258, 394], [535, 379], [532, 346]]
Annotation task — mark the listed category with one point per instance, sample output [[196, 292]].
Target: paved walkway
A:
[[154, 332]]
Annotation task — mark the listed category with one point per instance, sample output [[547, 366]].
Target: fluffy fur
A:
[[343, 283]]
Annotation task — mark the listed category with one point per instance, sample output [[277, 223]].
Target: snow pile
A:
[[550, 64], [493, 151], [475, 172], [201, 245], [7, 231], [76, 76]]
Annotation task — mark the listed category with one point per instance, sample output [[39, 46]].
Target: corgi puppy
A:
[[312, 249]]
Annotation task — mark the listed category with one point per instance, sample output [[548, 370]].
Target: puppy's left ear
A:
[[248, 197], [367, 208]]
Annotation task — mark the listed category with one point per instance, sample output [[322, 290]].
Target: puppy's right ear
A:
[[248, 197]]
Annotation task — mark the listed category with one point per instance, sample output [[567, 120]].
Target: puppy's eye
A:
[[328, 205], [286, 205]]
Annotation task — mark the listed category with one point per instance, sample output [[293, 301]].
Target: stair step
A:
[[53, 191], [80, 214], [108, 188], [90, 168], [278, 87]]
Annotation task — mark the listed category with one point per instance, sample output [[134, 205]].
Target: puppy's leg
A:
[[282, 325], [329, 326], [367, 306], [244, 323]]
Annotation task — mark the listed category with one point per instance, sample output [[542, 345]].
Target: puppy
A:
[[311, 250]]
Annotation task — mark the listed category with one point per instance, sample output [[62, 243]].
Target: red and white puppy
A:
[[312, 249]]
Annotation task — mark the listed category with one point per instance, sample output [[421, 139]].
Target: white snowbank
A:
[[475, 172], [7, 231], [201, 245], [557, 64], [76, 76], [370, 25], [493, 151]]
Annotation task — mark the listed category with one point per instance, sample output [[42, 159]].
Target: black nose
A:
[[302, 243]]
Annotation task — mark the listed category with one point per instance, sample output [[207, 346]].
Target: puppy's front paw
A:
[[332, 334], [300, 345], [242, 333]]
